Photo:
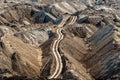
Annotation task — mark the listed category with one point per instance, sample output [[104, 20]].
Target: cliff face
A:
[[23, 59], [73, 56], [103, 58]]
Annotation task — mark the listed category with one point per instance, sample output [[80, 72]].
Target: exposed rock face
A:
[[104, 51], [23, 59], [81, 30], [4, 30], [5, 65], [36, 37], [74, 54], [28, 31]]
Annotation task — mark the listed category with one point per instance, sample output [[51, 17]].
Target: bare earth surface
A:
[[59, 39]]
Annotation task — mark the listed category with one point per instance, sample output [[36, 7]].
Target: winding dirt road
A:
[[59, 64], [72, 20], [58, 59]]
